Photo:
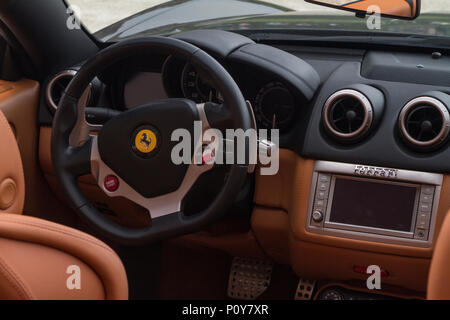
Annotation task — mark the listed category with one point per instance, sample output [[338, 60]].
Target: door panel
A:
[[19, 101]]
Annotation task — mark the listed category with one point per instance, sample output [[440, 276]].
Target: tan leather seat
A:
[[35, 256], [44, 260]]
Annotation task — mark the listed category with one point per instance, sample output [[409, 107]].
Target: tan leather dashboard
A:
[[319, 256], [278, 229], [439, 278]]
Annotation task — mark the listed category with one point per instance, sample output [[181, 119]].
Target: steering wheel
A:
[[130, 156]]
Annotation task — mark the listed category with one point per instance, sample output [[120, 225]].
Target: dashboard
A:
[[373, 107], [364, 136], [307, 93]]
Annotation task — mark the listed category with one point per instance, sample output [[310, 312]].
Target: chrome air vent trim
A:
[[437, 137], [65, 75], [364, 122]]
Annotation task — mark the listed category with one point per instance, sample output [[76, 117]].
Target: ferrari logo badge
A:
[[145, 141]]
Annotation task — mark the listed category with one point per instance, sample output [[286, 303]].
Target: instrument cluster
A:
[[274, 104]]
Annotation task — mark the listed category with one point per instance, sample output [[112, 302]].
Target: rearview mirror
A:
[[402, 9]]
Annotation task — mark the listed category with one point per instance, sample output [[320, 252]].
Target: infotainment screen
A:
[[369, 203]]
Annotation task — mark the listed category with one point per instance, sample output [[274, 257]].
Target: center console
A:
[[373, 203]]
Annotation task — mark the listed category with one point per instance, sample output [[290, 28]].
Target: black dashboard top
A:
[[307, 77]]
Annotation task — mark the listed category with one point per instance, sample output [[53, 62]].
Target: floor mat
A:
[[197, 274], [202, 274], [142, 264]]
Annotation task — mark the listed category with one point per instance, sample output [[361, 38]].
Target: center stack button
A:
[[320, 199], [317, 216]]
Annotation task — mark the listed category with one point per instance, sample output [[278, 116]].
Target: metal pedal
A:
[[305, 289], [249, 278]]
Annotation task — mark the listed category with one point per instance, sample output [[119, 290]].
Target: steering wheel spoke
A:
[[157, 206], [78, 159], [82, 129]]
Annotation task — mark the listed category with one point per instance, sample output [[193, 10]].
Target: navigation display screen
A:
[[373, 204]]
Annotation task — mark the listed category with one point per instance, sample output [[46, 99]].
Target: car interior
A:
[[88, 185]]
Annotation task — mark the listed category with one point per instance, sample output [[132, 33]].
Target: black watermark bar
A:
[[220, 309]]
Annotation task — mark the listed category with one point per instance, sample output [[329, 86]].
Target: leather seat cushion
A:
[[32, 271]]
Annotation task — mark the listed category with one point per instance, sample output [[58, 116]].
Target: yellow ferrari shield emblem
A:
[[145, 141]]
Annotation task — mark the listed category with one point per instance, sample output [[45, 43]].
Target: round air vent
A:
[[424, 123], [56, 87], [347, 115]]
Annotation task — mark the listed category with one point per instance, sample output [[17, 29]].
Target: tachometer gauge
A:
[[274, 106], [196, 88]]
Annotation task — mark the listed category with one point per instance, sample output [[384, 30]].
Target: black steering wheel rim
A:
[[70, 162]]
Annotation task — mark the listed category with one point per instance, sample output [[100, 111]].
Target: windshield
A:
[[114, 20]]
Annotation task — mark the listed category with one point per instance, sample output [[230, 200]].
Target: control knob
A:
[[317, 216]]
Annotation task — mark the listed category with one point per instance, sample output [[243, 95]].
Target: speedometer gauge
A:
[[196, 88], [274, 106]]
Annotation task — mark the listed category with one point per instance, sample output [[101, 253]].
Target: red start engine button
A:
[[111, 183]]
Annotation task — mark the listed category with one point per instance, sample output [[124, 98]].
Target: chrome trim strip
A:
[[371, 237], [400, 174], [48, 91]]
